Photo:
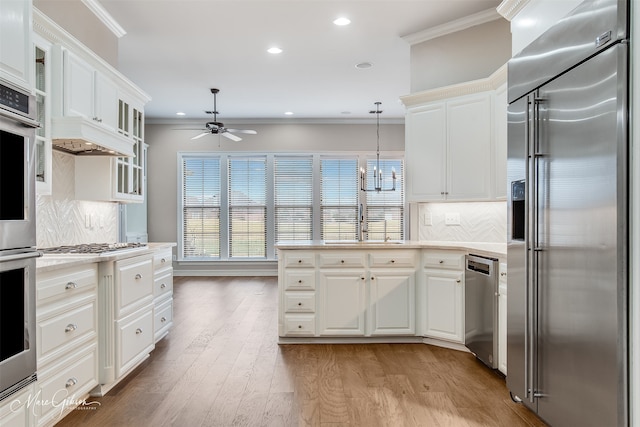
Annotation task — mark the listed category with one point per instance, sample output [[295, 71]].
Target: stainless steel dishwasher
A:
[[481, 308]]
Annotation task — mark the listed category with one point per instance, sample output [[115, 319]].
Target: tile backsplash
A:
[[62, 220], [478, 222]]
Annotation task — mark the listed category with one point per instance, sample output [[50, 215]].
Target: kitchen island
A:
[[375, 291]]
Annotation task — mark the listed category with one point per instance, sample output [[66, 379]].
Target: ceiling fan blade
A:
[[250, 132], [201, 135], [231, 136]]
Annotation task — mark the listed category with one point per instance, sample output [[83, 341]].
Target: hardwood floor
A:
[[221, 366]]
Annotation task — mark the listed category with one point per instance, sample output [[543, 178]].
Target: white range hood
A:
[[79, 136]]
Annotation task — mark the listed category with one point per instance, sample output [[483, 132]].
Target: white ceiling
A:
[[176, 50]]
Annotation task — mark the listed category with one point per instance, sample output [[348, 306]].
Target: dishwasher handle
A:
[[480, 265]]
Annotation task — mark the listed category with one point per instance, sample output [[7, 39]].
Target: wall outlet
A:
[[427, 218], [452, 218]]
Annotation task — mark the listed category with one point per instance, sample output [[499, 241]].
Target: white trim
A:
[[275, 121], [452, 26], [510, 8], [494, 81], [105, 17]]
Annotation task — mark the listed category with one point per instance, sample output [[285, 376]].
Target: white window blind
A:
[[339, 198], [293, 197], [385, 209], [247, 207], [201, 207]]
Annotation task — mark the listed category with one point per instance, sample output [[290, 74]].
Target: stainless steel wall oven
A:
[[17, 239]]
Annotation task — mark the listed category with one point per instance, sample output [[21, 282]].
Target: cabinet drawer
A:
[[342, 259], [395, 258], [444, 259], [162, 259], [65, 283], [163, 315], [135, 336], [300, 302], [299, 259], [76, 377], [299, 325], [134, 279], [299, 280], [65, 328], [163, 284]]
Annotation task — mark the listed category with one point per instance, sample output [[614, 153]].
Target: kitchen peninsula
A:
[[375, 291]]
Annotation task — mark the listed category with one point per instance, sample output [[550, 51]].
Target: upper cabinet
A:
[[16, 53], [455, 141]]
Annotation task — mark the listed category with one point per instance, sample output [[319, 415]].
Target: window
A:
[[237, 206], [201, 207], [339, 199], [293, 197], [385, 209]]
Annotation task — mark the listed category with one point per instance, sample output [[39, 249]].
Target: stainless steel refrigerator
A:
[[567, 314]]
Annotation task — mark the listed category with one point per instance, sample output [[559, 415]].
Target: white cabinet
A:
[[500, 142], [502, 318], [342, 302], [42, 88], [66, 338], [392, 302], [162, 292], [126, 313], [16, 54], [88, 93], [451, 142], [17, 409], [443, 281], [297, 292]]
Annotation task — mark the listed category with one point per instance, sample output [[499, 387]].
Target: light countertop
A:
[[51, 262], [497, 250]]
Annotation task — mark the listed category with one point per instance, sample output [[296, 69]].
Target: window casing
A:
[[237, 206]]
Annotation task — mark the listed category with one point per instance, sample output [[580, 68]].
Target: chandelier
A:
[[378, 179]]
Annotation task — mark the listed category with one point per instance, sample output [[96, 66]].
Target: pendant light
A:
[[378, 180]]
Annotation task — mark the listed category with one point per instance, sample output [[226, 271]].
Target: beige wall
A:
[[165, 141], [80, 22], [463, 56]]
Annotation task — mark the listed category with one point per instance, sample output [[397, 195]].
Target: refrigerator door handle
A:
[[527, 243]]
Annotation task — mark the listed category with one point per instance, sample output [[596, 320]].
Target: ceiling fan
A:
[[217, 128]]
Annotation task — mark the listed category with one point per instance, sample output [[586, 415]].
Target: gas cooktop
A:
[[92, 248]]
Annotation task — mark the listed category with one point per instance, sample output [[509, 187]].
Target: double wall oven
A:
[[17, 238]]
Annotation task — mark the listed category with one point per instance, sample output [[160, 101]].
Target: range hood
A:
[[79, 136]]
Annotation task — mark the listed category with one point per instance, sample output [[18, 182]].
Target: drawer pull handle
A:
[[138, 331], [138, 276], [71, 382], [503, 274], [162, 286], [458, 281], [441, 262], [71, 327], [163, 319], [70, 285], [162, 261]]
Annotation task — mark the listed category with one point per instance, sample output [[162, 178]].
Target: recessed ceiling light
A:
[[342, 21], [288, 113], [180, 113], [274, 50], [364, 65]]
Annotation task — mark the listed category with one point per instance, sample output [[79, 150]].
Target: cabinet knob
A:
[[458, 281], [162, 286], [163, 319], [441, 262], [341, 261], [70, 285], [373, 278], [138, 276], [393, 261], [71, 382], [299, 261], [362, 278], [299, 326], [71, 327], [300, 281], [442, 193], [503, 274], [162, 261], [299, 304], [138, 331]]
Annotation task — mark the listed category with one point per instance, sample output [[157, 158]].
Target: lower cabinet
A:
[[444, 305], [342, 304], [392, 302], [17, 409], [162, 292]]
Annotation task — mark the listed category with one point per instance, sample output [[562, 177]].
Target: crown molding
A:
[[510, 8], [274, 121], [105, 17], [494, 81], [452, 26]]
